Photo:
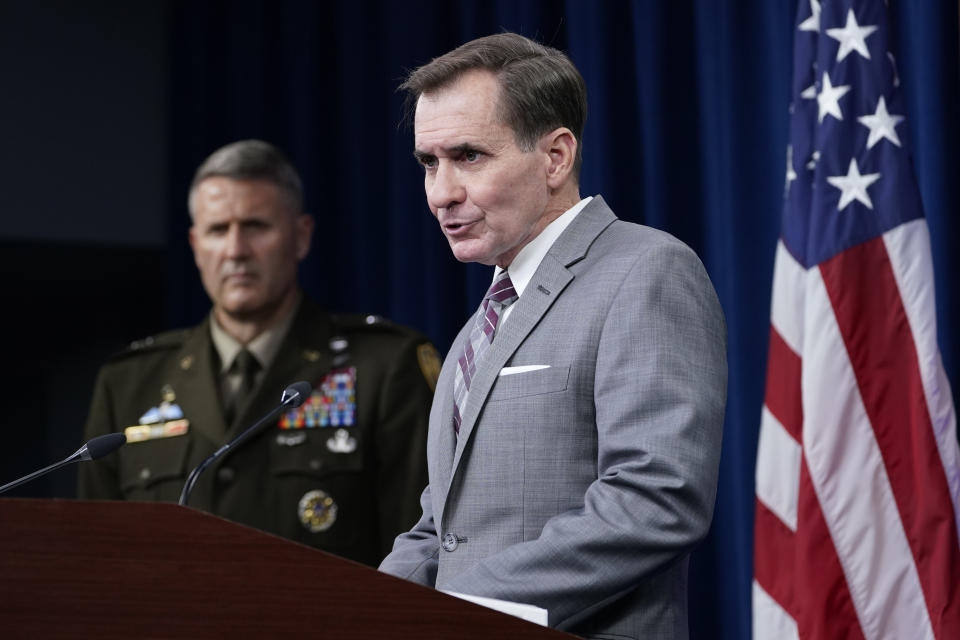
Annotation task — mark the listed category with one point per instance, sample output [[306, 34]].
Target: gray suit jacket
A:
[[582, 487]]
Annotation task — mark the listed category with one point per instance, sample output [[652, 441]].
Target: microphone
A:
[[293, 396], [94, 449]]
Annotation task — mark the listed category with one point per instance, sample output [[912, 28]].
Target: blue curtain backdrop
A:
[[687, 132]]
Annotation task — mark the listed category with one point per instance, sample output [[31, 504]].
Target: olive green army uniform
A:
[[345, 472]]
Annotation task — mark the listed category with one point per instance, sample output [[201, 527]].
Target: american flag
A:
[[858, 469]]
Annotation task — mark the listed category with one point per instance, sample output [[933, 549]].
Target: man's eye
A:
[[471, 156]]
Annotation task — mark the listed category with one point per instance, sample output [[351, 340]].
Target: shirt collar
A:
[[525, 264], [264, 347]]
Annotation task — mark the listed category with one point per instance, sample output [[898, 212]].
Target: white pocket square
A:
[[509, 371]]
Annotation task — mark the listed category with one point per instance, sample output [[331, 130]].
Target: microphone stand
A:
[[95, 448], [293, 396]]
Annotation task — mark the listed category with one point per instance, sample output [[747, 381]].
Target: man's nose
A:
[[237, 245], [444, 188]]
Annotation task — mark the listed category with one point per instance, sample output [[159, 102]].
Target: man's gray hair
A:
[[252, 160]]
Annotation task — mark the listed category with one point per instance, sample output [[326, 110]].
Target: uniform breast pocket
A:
[[323, 495], [316, 453], [533, 382], [154, 470]]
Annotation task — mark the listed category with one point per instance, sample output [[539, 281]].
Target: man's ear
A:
[[560, 146], [304, 235]]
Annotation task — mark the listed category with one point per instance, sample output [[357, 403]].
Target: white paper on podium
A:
[[528, 612]]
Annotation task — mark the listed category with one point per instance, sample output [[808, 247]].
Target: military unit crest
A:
[[317, 511], [333, 403]]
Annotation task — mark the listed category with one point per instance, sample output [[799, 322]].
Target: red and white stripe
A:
[[858, 470]]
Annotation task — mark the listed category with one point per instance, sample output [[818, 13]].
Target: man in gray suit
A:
[[575, 431]]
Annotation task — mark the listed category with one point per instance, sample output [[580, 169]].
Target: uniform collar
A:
[[265, 346]]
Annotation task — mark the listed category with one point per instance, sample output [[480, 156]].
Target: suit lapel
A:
[[546, 285], [446, 440], [441, 438], [528, 310]]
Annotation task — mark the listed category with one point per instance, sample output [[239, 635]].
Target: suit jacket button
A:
[[225, 475], [449, 542]]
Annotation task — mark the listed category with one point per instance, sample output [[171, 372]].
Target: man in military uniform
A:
[[344, 471]]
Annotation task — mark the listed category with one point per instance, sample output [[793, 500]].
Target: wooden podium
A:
[[84, 569]]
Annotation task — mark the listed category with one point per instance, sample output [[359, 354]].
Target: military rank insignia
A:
[[333, 403]]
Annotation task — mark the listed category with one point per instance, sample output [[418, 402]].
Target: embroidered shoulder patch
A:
[[430, 364]]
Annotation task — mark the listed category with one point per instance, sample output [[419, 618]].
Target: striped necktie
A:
[[500, 295]]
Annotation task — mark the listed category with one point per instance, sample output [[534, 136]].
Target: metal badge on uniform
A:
[[342, 442], [291, 439], [339, 346], [163, 421], [333, 403], [317, 511], [167, 410]]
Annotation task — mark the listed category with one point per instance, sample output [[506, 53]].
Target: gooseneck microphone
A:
[[293, 396], [94, 449]]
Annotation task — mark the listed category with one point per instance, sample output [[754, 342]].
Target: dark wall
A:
[[68, 307], [83, 201], [82, 111]]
